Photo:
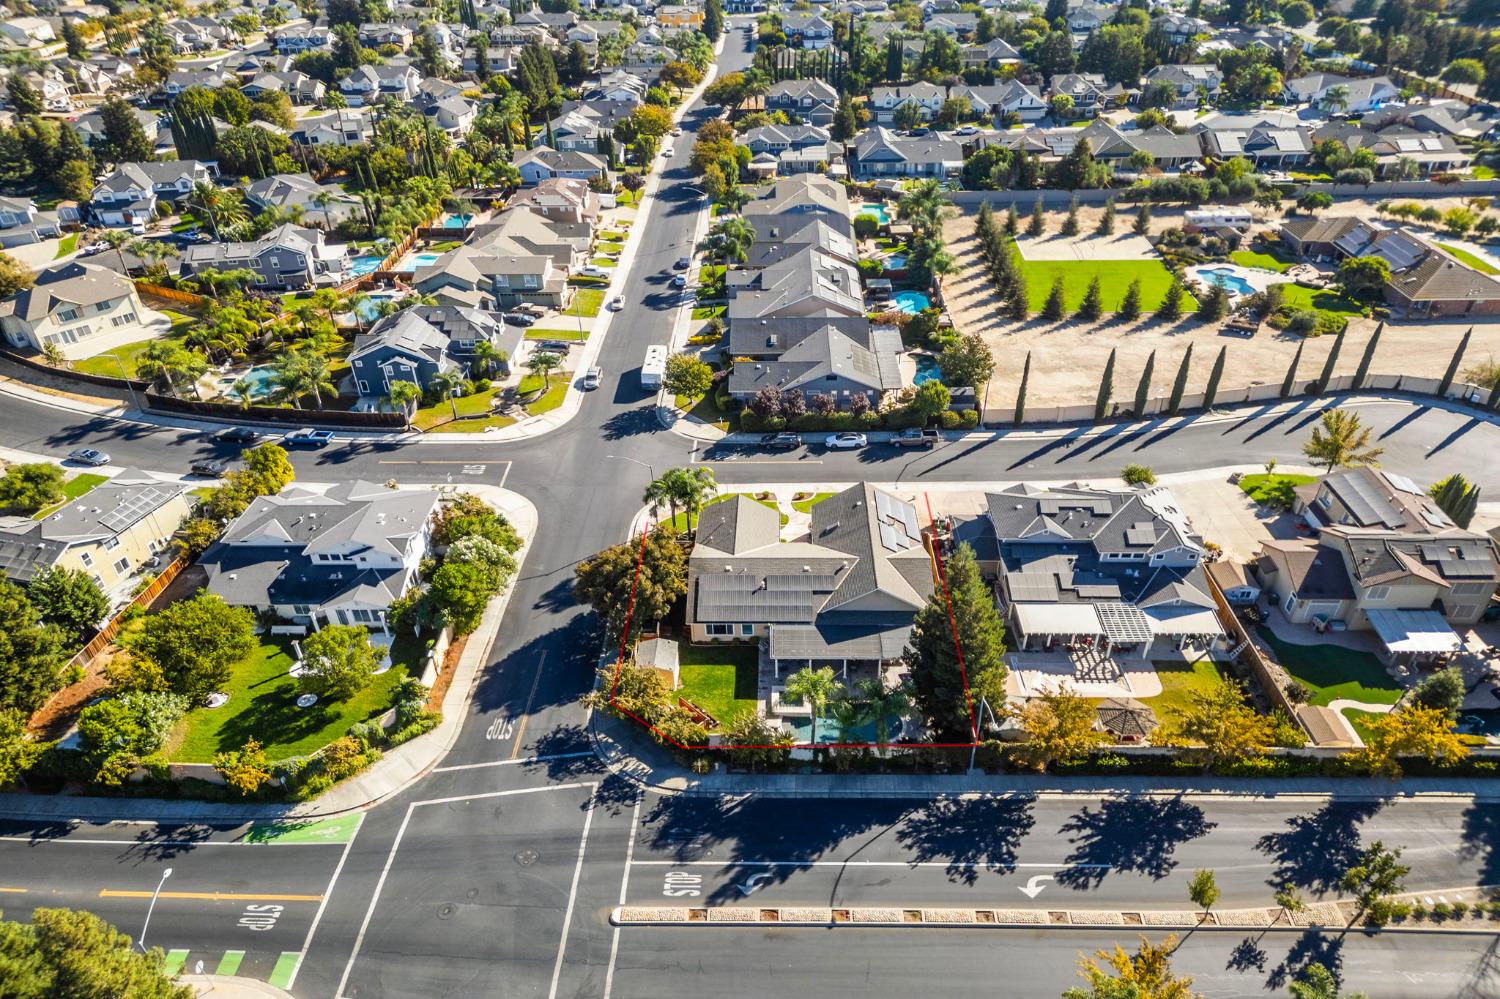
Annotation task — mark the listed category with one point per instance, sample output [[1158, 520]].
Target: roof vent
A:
[[807, 568]]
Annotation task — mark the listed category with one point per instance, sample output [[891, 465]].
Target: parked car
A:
[[679, 281], [677, 130], [966, 130], [238, 435], [683, 263], [208, 468], [617, 303], [916, 437], [308, 437], [93, 248], [784, 441], [532, 309], [139, 229], [593, 271], [845, 442], [519, 319], [88, 456], [592, 378], [667, 151]]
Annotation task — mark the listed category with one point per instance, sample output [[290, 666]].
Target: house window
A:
[[719, 630], [1470, 589], [364, 387], [301, 610], [122, 565], [747, 630], [1462, 611], [67, 315], [111, 544], [1377, 593], [86, 559], [530, 281], [1291, 598]]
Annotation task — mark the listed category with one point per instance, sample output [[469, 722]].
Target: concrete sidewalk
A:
[[397, 770]]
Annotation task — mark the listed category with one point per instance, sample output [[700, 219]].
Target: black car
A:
[[208, 468], [781, 442], [238, 435]]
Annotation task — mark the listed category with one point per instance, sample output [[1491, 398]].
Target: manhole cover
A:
[[471, 893], [446, 910], [527, 857]]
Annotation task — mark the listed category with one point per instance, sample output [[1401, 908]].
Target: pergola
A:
[[1414, 635]]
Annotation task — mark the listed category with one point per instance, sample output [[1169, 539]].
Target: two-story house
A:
[[416, 344], [340, 127], [130, 193], [1190, 82], [880, 152], [560, 199], [288, 257], [293, 39], [543, 163], [372, 84], [322, 206], [807, 31], [80, 308], [926, 97], [812, 101], [481, 277]]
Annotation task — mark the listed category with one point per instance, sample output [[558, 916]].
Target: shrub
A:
[[949, 419], [1441, 911], [482, 385], [1303, 322], [968, 419], [1138, 475], [1460, 909]]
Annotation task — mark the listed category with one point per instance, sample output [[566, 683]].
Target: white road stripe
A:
[[511, 763], [614, 946], [861, 863], [562, 945], [327, 893]]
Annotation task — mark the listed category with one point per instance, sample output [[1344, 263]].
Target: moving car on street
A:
[[308, 437], [209, 468], [238, 435]]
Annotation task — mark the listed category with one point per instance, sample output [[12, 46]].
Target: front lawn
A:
[[536, 333], [605, 262], [129, 354], [1331, 672], [441, 412], [1114, 276], [710, 311], [720, 679], [1274, 260], [586, 302], [66, 245], [73, 488], [680, 522], [1465, 257], [1273, 490], [554, 395], [806, 505], [1482, 172], [1327, 299], [262, 706]]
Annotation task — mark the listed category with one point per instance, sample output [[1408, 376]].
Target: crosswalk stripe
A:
[[230, 962], [174, 962], [286, 965]]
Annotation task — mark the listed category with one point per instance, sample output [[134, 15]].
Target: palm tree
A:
[[692, 486], [660, 491], [219, 204], [923, 206], [1336, 97], [448, 384], [542, 363], [731, 239], [399, 396], [171, 361], [487, 358], [812, 687], [882, 705], [302, 371], [116, 240], [1341, 442], [245, 389]]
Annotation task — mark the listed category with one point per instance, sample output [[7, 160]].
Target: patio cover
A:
[[1058, 619], [1124, 623], [1414, 631], [1184, 621]]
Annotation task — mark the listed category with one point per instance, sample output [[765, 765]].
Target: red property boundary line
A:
[[942, 576]]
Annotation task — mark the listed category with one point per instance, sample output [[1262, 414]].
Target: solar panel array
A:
[[1457, 562], [897, 522], [133, 507], [1140, 533], [750, 596], [1368, 504]]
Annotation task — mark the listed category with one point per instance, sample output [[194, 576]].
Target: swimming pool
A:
[[894, 262], [873, 209], [413, 261], [457, 221], [911, 302], [927, 369], [1227, 279], [369, 309], [360, 266], [261, 379], [829, 731]]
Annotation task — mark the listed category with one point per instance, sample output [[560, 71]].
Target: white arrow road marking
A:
[[1033, 886], [753, 882]]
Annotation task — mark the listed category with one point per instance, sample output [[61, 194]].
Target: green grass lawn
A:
[[262, 706], [1482, 173], [536, 333], [1331, 672], [66, 245], [1114, 278], [680, 522], [73, 488], [1464, 256], [806, 505], [720, 679], [1274, 490], [440, 413], [586, 302], [553, 397], [609, 246], [1272, 261], [1359, 721], [605, 262], [704, 408], [1298, 297], [1178, 681], [710, 311]]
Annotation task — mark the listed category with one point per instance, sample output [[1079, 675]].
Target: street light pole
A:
[[129, 385], [648, 468], [141, 940], [984, 706]]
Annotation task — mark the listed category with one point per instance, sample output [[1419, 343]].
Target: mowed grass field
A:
[[1114, 276]]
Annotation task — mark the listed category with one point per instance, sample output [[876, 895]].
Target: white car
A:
[[966, 130], [677, 130], [93, 248], [592, 378], [593, 271], [617, 303], [845, 442], [667, 151]]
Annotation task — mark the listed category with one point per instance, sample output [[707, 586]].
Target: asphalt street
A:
[[494, 875]]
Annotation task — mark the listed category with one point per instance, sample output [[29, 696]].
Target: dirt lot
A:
[[1068, 357]]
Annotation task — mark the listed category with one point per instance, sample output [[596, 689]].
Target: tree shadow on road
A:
[[631, 423], [1481, 839], [1248, 955], [1316, 849], [1483, 980], [1313, 947], [1130, 834], [972, 834]]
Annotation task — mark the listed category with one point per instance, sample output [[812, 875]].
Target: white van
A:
[[655, 367]]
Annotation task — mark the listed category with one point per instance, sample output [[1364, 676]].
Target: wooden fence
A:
[[1249, 654], [112, 626], [171, 294]]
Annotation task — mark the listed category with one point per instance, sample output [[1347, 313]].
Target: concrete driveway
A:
[[1223, 514]]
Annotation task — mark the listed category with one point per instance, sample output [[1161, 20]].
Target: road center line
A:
[[512, 762], [327, 893], [210, 896], [515, 749], [562, 945], [614, 946], [862, 863]]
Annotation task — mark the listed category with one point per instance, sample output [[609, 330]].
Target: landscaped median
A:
[[1467, 909]]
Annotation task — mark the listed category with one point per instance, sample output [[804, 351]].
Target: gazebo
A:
[[1126, 718]]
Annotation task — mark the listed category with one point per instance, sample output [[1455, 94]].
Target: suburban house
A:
[[811, 282], [807, 31], [826, 362], [288, 257], [73, 306], [293, 39], [993, 54], [778, 210], [337, 557], [1117, 571], [926, 97], [1090, 92], [322, 206], [1267, 143], [1191, 82], [27, 32], [1180, 28], [844, 595], [370, 84], [483, 277], [995, 101], [954, 25], [300, 88], [620, 87], [680, 17], [1399, 148], [340, 127], [130, 194], [583, 124], [880, 152], [789, 149], [1167, 149], [452, 113], [376, 35], [1341, 94], [524, 231], [114, 530], [560, 200], [415, 344], [21, 224], [544, 163], [812, 101]]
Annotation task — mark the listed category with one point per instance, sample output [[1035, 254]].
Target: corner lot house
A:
[[109, 532], [338, 557], [417, 343], [81, 308]]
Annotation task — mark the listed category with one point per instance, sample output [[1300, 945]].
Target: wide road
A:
[[494, 875]]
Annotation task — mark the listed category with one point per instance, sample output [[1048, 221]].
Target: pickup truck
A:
[[915, 437], [308, 437]]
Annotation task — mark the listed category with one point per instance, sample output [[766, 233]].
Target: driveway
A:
[[1223, 514]]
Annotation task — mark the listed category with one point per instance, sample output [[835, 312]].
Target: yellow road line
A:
[[212, 896], [14, 891]]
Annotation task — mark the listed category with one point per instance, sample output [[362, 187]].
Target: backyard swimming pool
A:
[[369, 308], [1226, 278], [873, 209], [360, 266], [829, 731], [261, 378], [412, 261], [894, 262], [457, 221], [927, 369], [911, 302]]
